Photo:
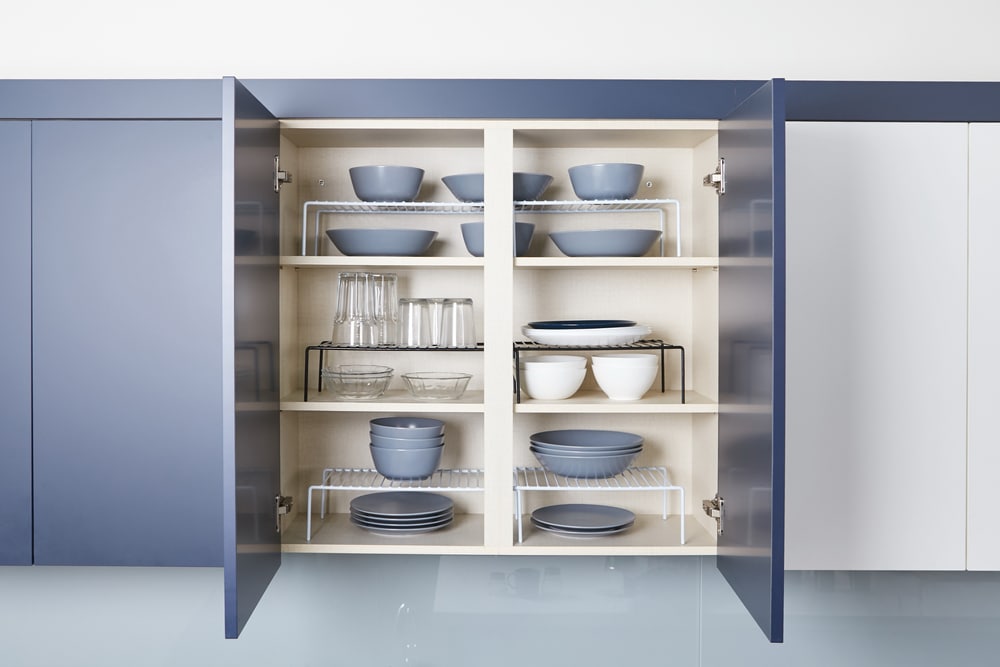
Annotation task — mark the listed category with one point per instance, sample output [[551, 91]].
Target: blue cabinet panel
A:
[[110, 98], [752, 354], [15, 335], [250, 443], [126, 332], [499, 98]]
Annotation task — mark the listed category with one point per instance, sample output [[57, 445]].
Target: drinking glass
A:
[[414, 325], [385, 308], [458, 328], [435, 316], [354, 324]]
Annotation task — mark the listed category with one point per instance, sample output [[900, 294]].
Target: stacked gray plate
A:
[[402, 512], [590, 453], [582, 520]]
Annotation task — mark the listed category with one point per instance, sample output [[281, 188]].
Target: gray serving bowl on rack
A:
[[376, 242], [386, 182], [605, 242]]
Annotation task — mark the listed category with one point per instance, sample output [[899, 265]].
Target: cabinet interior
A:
[[487, 429]]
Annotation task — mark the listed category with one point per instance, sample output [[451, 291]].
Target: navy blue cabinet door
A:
[[125, 342], [252, 544], [15, 332], [752, 355]]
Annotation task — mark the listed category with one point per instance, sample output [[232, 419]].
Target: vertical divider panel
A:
[[498, 293]]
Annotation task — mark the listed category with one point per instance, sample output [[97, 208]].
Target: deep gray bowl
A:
[[605, 242], [385, 442], [472, 234], [398, 242], [386, 182], [465, 187], [407, 427], [607, 180], [529, 187], [469, 187], [406, 463]]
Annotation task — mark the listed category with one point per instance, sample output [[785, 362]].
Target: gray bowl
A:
[[586, 437], [469, 187], [529, 187], [406, 463], [605, 242], [472, 234], [608, 180], [386, 182], [465, 187], [607, 465], [398, 242], [407, 427], [406, 443]]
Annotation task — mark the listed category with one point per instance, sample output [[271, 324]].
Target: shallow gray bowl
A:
[[407, 427], [586, 437], [386, 182], [472, 234], [398, 242], [607, 465], [406, 463], [605, 242], [607, 180], [469, 187]]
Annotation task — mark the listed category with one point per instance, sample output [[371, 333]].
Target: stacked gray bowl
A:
[[406, 447], [587, 453]]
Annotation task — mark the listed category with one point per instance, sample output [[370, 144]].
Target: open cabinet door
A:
[[752, 354], [252, 548]]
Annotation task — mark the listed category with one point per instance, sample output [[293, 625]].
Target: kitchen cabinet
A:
[[125, 354], [878, 355], [15, 332], [718, 297]]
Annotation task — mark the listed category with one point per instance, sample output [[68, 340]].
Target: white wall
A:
[[717, 39]]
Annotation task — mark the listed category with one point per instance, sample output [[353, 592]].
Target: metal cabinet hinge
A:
[[280, 177], [282, 506], [715, 508], [717, 179]]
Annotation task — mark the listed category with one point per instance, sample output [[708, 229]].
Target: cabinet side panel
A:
[[984, 357], [15, 332], [126, 327], [876, 373]]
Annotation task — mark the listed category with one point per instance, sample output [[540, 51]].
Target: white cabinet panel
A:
[[984, 355], [876, 365]]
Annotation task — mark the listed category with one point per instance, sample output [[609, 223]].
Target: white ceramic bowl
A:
[[625, 383], [551, 382], [573, 360], [625, 360]]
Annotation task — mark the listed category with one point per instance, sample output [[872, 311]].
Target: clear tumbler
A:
[[354, 322]]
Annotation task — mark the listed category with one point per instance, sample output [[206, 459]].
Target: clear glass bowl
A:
[[357, 382], [436, 386]]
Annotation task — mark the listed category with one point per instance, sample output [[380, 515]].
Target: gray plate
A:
[[581, 533], [402, 521], [402, 503], [407, 530], [583, 517]]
